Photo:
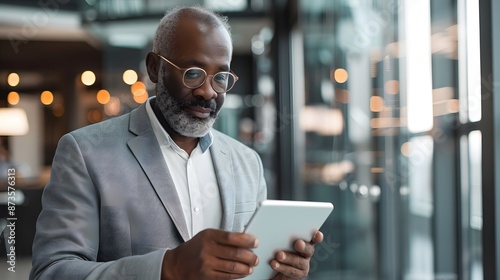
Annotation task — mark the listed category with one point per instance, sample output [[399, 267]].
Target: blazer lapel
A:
[[147, 152], [221, 158]]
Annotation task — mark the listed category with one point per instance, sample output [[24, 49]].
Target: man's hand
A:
[[211, 254], [295, 265]]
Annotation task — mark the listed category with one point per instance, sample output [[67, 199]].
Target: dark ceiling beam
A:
[[55, 55]]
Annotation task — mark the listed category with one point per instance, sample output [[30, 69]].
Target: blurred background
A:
[[385, 108]]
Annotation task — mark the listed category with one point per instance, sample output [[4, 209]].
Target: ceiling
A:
[[125, 24], [52, 42]]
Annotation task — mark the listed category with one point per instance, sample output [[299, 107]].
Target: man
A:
[[157, 194]]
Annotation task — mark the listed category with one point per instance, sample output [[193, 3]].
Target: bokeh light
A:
[[13, 79], [130, 77], [13, 98], [88, 78], [340, 75], [138, 88], [103, 96], [46, 97], [141, 98]]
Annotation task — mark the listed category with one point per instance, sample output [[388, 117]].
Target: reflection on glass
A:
[[476, 213], [418, 65], [421, 255], [322, 120], [226, 5], [476, 221], [340, 75], [469, 61], [398, 136], [472, 219], [473, 60]]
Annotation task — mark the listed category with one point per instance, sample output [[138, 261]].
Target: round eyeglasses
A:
[[195, 77]]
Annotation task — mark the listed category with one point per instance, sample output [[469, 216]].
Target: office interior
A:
[[386, 108]]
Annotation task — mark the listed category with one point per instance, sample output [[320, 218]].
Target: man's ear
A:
[[152, 65]]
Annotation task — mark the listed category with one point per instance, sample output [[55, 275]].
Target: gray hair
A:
[[162, 42]]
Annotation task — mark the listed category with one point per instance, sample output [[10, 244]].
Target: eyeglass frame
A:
[[184, 71]]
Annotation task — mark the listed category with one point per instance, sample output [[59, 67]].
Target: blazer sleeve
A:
[[66, 243]]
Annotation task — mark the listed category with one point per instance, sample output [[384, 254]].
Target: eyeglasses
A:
[[195, 77]]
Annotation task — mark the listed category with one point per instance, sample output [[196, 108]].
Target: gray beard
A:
[[177, 119]]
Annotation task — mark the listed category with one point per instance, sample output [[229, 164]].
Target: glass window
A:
[[388, 105], [472, 218]]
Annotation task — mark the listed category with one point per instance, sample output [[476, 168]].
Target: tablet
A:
[[278, 223]]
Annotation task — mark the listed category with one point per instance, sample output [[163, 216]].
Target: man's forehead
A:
[[188, 26], [192, 34]]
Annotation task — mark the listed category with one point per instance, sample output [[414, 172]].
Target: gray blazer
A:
[[110, 209]]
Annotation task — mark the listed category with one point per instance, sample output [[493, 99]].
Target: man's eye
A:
[[193, 74], [221, 77]]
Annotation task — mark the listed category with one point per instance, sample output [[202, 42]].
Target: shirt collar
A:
[[162, 135]]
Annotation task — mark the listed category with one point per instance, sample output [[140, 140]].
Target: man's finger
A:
[[317, 238], [234, 268], [232, 253], [289, 271], [304, 248], [235, 239]]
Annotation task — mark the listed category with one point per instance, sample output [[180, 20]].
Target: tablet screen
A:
[[278, 223]]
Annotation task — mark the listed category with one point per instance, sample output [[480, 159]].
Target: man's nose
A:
[[206, 91]]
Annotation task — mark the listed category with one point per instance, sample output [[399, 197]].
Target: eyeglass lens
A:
[[221, 82]]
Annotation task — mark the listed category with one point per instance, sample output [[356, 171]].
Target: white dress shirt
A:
[[193, 176]]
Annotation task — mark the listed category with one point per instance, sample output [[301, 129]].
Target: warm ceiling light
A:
[[322, 120], [405, 149], [387, 122], [377, 170], [391, 87], [446, 107], [138, 88], [334, 172], [141, 98], [453, 106], [340, 75], [14, 122], [88, 78], [46, 97], [13, 98], [376, 104], [103, 96], [342, 95], [130, 77], [13, 79]]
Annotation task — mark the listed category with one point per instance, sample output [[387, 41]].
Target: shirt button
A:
[[196, 209]]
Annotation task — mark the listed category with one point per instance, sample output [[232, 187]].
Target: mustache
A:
[[210, 104]]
